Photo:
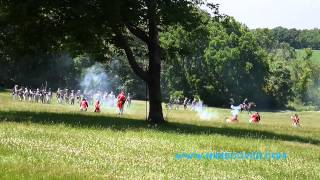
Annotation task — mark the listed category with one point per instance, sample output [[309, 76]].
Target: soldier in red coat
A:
[[295, 120], [232, 119], [255, 118], [121, 100], [97, 106], [84, 105]]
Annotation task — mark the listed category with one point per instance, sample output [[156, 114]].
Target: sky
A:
[[299, 14]]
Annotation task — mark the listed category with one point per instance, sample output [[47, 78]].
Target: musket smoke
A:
[[203, 112], [95, 85]]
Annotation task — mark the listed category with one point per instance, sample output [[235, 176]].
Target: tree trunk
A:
[[155, 105], [152, 76], [155, 110]]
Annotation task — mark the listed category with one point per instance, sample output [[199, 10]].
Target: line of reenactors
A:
[[65, 96], [68, 96], [32, 95]]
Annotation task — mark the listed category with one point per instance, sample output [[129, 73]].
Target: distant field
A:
[[57, 141], [315, 55]]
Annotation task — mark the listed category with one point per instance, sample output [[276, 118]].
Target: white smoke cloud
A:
[[204, 113], [95, 79], [96, 85]]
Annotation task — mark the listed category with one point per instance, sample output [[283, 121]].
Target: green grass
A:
[[56, 141], [315, 55]]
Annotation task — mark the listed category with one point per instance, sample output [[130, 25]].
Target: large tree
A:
[[92, 26], [217, 61]]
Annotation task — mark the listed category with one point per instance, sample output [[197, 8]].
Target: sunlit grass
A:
[[58, 141]]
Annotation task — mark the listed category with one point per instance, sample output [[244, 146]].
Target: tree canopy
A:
[[92, 25], [172, 45]]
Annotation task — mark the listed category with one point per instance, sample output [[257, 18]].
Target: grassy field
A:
[[56, 141], [315, 55]]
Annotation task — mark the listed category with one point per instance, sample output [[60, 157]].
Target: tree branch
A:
[[123, 43], [138, 32]]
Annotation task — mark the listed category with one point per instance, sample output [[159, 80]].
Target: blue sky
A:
[[300, 14]]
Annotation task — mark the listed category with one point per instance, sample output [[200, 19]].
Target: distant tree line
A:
[[298, 39]]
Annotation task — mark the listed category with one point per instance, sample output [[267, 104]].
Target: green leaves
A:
[[278, 83], [217, 61]]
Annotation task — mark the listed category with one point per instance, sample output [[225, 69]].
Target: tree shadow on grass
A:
[[122, 124]]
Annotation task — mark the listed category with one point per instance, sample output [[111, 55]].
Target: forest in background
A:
[[217, 61]]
